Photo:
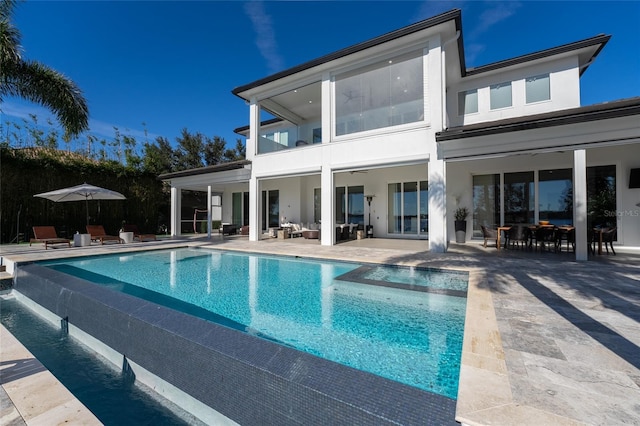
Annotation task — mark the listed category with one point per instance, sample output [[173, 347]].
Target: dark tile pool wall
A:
[[248, 379]]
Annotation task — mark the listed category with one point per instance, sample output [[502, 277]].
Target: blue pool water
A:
[[401, 327], [91, 379]]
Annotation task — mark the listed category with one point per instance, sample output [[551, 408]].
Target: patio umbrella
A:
[[84, 192]]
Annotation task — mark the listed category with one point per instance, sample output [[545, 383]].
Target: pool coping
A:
[[36, 396]]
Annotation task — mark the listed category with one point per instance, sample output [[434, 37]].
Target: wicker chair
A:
[[489, 235], [519, 234], [546, 238], [607, 239]]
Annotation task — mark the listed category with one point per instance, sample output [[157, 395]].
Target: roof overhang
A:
[[606, 124], [329, 61], [586, 50], [216, 176]]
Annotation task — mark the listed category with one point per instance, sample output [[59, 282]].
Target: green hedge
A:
[[25, 172]]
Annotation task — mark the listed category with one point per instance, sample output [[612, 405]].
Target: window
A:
[[519, 198], [270, 209], [408, 208], [500, 95], [350, 204], [317, 205], [486, 202], [601, 195], [538, 88], [385, 94], [467, 102], [555, 196]]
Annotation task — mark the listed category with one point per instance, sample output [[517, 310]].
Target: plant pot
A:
[[461, 231]]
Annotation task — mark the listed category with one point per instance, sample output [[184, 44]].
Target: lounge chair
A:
[[98, 234], [47, 235], [137, 234]]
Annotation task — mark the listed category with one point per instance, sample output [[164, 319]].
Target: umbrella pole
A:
[[86, 200]]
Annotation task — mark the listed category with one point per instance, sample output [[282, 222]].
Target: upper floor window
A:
[[384, 94], [538, 88], [467, 102], [500, 95]]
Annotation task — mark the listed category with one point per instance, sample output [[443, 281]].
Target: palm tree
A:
[[36, 82]]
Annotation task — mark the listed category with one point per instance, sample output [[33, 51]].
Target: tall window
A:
[[270, 209], [408, 208], [601, 195], [467, 102], [350, 204], [538, 88], [385, 94], [555, 196], [519, 197], [317, 205], [486, 202], [500, 95]]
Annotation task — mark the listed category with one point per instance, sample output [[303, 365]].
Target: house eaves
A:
[[454, 14], [232, 165], [596, 44], [602, 111]]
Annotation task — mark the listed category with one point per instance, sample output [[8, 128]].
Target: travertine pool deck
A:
[[547, 340]]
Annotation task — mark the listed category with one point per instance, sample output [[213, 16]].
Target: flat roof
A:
[[232, 165]]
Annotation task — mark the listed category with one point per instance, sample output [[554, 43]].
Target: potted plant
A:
[[460, 216]]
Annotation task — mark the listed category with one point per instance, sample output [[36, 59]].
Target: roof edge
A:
[[602, 111], [453, 14], [601, 39], [223, 167]]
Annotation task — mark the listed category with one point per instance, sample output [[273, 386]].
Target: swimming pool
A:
[[93, 380], [400, 328]]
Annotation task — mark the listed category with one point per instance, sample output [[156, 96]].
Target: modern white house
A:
[[396, 133]]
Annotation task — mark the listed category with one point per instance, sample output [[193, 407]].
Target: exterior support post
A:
[[209, 207], [254, 209], [327, 228], [176, 207], [437, 207], [580, 203]]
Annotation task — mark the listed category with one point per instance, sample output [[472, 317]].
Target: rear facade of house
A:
[[395, 133]]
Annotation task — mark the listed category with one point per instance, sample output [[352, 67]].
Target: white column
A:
[[437, 206], [254, 129], [580, 202], [254, 209], [328, 227], [209, 206], [175, 210]]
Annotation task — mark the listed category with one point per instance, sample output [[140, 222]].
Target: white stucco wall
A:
[[564, 85]]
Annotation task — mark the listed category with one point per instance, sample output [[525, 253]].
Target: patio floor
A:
[[547, 340]]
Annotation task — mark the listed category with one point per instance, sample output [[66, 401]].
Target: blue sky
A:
[[173, 65]]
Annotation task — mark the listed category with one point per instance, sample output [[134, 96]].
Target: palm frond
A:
[[38, 83]]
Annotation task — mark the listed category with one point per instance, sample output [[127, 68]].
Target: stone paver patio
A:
[[547, 340]]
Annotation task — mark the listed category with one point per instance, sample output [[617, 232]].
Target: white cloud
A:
[[265, 35], [496, 13], [431, 8]]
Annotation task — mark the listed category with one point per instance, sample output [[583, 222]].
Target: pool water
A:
[[321, 307], [92, 379]]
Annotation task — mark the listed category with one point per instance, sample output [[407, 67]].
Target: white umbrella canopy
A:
[[84, 192]]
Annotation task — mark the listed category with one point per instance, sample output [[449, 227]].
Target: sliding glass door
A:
[[270, 209], [408, 212], [550, 198]]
